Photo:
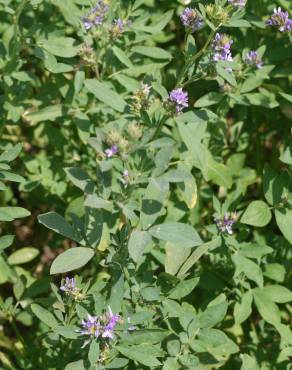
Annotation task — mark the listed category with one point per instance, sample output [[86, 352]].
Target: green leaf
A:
[[218, 173], [177, 175], [44, 315], [157, 25], [238, 23], [80, 179], [23, 255], [117, 293], [174, 257], [54, 221], [275, 271], [184, 288], [144, 354], [152, 52], [257, 214], [208, 100], [60, 46], [77, 365], [283, 219], [251, 83], [128, 83], [182, 235], [277, 293], [93, 353], [12, 213], [226, 75], [138, 242], [93, 226], [67, 332], [49, 113], [10, 154], [288, 97], [103, 93], [243, 309], [267, 308], [214, 313], [94, 201], [118, 363], [71, 259], [148, 68], [251, 270], [215, 342], [275, 186], [9, 176], [5, 272], [150, 336], [152, 202], [6, 241], [248, 363], [122, 56], [198, 253]]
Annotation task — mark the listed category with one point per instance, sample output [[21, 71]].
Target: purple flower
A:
[[96, 15], [91, 326], [118, 27], [225, 224], [253, 59], [100, 326], [110, 152], [238, 3], [69, 286], [111, 322], [222, 44], [179, 98], [191, 19], [280, 19], [119, 24]]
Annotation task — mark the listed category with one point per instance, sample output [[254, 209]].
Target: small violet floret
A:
[[252, 58], [221, 45], [191, 19], [96, 15], [110, 152], [100, 326], [281, 20], [91, 326], [69, 286], [111, 321], [225, 224], [238, 3], [179, 99]]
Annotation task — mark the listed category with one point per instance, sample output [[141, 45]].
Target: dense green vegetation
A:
[[145, 184]]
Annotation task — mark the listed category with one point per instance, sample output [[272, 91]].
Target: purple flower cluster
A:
[[252, 58], [100, 326], [238, 3], [110, 152], [69, 286], [222, 44], [96, 15], [225, 224], [280, 19], [191, 19], [179, 99], [117, 27]]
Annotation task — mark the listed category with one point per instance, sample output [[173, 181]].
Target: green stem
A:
[[18, 12], [159, 127], [195, 59]]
